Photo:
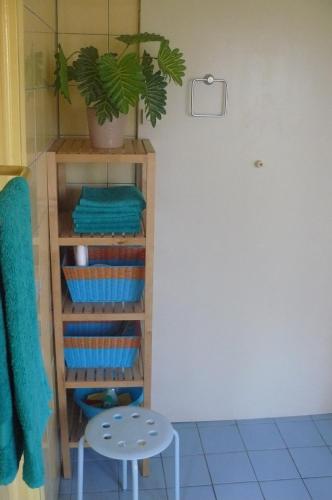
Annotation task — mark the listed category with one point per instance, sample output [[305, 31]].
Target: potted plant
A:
[[112, 83]]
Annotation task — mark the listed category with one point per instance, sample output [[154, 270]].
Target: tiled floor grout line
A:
[[321, 435], [289, 452], [280, 434], [206, 462], [247, 453]]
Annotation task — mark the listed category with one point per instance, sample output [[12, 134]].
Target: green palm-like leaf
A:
[[171, 62], [154, 94], [105, 109], [61, 74], [123, 80], [140, 38], [85, 71]]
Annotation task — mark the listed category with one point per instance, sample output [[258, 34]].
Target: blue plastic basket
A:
[[90, 411], [102, 345], [105, 290], [105, 280]]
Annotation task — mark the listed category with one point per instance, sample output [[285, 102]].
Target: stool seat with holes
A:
[[128, 434]]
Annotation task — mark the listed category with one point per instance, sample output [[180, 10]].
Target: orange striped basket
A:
[[114, 274], [88, 345]]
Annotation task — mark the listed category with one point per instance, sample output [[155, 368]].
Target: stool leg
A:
[[177, 465], [135, 479], [80, 464], [124, 475]]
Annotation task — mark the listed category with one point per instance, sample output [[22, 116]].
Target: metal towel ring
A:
[[209, 80]]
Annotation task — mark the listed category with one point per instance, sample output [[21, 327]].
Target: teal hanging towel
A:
[[24, 390]]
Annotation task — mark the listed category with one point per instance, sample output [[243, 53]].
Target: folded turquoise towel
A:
[[116, 197], [106, 210], [24, 390], [105, 218], [107, 228]]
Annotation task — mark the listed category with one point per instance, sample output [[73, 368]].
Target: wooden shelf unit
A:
[[61, 202]]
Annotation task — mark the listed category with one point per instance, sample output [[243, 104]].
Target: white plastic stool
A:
[[127, 433]]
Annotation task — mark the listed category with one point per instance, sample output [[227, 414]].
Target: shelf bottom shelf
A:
[[106, 377]]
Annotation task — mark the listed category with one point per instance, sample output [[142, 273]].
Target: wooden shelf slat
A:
[[80, 150], [105, 377], [101, 311], [67, 237]]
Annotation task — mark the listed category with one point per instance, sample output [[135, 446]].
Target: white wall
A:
[[243, 271]]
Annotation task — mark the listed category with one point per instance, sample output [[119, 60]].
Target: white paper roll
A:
[[81, 255]]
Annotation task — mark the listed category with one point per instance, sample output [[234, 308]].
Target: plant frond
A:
[[171, 62], [105, 109], [154, 94], [123, 80], [140, 38], [85, 72], [61, 74]]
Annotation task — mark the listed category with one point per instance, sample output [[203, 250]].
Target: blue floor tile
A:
[[261, 436], [313, 462], [99, 476], [255, 421], [300, 434], [292, 489], [221, 440], [107, 495], [322, 416], [215, 424], [89, 455], [143, 495], [193, 471], [66, 486], [154, 481], [320, 488], [230, 468], [182, 425], [190, 442], [197, 493], [239, 491], [325, 428], [296, 418], [273, 464]]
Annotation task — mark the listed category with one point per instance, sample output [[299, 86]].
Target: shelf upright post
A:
[[52, 176]]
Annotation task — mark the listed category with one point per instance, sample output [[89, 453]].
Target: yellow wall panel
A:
[[123, 16], [44, 9], [73, 119], [83, 16], [12, 121], [30, 107], [41, 129], [46, 116], [74, 42]]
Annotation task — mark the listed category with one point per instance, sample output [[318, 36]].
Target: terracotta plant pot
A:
[[108, 135]]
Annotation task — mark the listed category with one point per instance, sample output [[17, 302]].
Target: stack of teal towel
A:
[[115, 209]]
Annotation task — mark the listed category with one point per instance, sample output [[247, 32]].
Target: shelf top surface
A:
[[81, 148]]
